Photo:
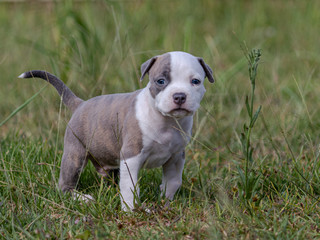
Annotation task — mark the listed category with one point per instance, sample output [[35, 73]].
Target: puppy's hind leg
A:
[[73, 161], [71, 167]]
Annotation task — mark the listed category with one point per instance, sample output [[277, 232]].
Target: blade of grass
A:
[[303, 99], [18, 109]]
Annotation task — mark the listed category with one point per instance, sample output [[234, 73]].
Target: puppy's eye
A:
[[195, 81], [161, 81]]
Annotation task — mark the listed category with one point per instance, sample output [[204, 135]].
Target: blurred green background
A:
[[97, 48]]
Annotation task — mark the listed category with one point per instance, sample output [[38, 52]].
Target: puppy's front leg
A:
[[172, 175], [129, 189]]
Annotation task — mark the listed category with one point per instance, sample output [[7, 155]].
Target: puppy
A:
[[147, 128]]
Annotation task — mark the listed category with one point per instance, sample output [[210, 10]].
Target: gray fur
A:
[[159, 69], [68, 97], [207, 70], [145, 67], [100, 121], [106, 121]]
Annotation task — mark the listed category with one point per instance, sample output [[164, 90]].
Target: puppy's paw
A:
[[82, 197]]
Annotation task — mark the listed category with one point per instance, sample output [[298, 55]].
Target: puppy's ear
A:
[[207, 70], [146, 66]]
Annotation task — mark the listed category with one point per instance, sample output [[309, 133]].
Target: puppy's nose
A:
[[179, 98]]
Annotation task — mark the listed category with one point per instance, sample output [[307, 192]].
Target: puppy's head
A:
[[176, 82]]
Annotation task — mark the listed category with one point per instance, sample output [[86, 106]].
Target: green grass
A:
[[97, 48]]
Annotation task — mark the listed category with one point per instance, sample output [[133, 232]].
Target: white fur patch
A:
[[82, 197], [129, 189], [22, 75]]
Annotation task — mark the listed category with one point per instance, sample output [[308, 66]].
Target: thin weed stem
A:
[[248, 180]]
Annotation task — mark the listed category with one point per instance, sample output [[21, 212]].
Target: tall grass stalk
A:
[[249, 180]]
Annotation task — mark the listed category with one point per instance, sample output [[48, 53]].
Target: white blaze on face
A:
[[183, 69]]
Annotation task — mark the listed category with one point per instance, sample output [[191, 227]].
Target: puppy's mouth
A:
[[179, 112]]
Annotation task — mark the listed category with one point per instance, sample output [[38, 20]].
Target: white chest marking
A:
[[161, 136]]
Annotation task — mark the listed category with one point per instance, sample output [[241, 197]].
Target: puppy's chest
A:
[[159, 148]]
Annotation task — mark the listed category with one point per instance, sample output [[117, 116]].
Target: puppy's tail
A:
[[68, 97]]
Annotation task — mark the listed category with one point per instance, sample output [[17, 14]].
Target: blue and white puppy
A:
[[146, 128]]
